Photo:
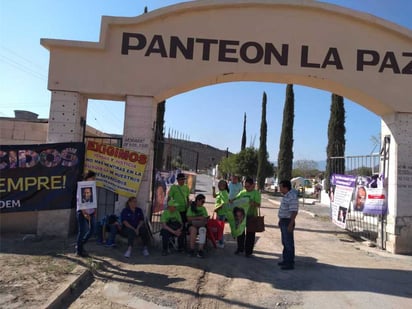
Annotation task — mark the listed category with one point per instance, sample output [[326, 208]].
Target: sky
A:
[[211, 115]]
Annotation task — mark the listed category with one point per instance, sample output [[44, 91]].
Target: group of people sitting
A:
[[183, 220], [130, 225], [178, 219]]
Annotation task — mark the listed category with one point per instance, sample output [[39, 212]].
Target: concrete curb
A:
[[78, 274]]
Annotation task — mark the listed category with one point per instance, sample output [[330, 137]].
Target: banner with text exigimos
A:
[[39, 177], [117, 169]]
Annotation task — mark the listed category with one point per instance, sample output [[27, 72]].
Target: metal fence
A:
[[360, 225]]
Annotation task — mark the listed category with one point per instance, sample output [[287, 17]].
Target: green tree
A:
[[305, 168], [285, 156], [335, 150], [243, 144], [246, 162], [263, 163], [227, 166]]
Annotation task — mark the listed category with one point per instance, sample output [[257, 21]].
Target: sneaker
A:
[[145, 252], [128, 253], [221, 246], [201, 254]]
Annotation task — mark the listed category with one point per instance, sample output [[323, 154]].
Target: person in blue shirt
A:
[[133, 225]]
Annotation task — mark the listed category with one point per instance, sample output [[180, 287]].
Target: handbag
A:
[[215, 227], [256, 224]]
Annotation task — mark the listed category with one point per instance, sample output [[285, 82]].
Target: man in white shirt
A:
[[288, 211]]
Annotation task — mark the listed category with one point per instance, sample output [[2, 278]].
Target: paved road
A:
[[331, 271]]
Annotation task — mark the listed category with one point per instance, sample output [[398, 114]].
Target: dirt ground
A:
[[330, 269], [31, 268]]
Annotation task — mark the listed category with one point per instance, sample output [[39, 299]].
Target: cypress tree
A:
[[159, 136], [285, 156], [262, 154], [336, 140], [243, 145]]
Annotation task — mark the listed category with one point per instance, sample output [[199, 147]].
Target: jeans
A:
[[246, 242], [166, 235], [288, 242], [101, 230], [112, 232], [85, 230], [131, 235]]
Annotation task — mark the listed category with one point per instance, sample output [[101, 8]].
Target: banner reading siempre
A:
[[39, 177], [117, 169]]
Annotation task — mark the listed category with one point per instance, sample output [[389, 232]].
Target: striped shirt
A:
[[289, 204]]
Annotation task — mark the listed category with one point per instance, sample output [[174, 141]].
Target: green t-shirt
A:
[[180, 195], [253, 196], [200, 211], [170, 216], [222, 198]]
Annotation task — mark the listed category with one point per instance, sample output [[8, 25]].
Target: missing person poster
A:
[[117, 169], [86, 195], [342, 187], [39, 177], [370, 195]]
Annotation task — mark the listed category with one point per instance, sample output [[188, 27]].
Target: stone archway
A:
[[146, 59]]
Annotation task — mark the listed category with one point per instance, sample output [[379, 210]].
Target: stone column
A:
[[67, 109], [399, 219], [138, 135]]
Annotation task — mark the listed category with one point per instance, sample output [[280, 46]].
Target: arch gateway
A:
[[149, 58]]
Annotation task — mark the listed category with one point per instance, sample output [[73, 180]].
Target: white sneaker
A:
[[221, 246], [128, 253], [146, 252]]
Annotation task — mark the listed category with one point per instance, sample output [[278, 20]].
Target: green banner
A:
[[235, 213]]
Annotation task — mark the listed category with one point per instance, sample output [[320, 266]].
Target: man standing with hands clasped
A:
[[287, 213]]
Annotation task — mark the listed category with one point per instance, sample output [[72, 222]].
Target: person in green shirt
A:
[[222, 199], [197, 218], [180, 194], [246, 241], [172, 226]]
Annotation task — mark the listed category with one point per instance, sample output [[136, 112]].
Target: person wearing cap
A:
[[180, 194], [197, 218], [172, 226]]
